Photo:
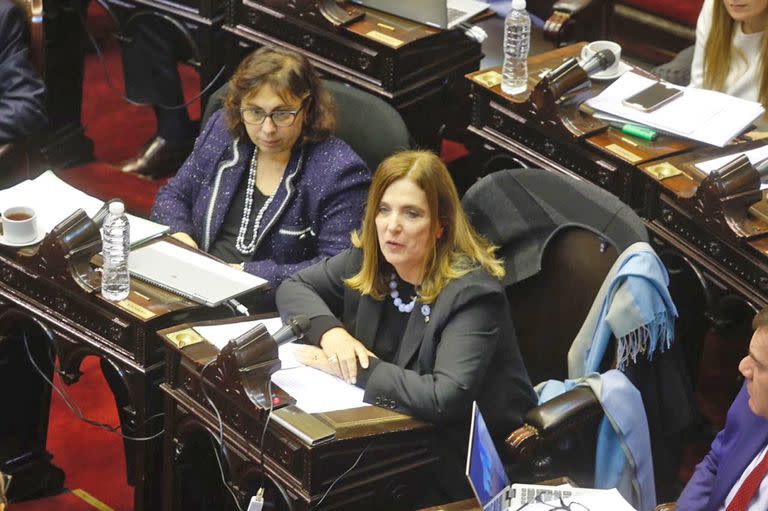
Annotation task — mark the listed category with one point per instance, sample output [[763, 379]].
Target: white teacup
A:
[[19, 225], [595, 46]]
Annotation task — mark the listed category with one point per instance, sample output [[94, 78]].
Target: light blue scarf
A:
[[634, 307]]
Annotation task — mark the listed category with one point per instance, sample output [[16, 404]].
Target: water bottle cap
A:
[[116, 208], [518, 5]]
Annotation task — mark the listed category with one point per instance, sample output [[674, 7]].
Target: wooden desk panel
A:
[[45, 314]]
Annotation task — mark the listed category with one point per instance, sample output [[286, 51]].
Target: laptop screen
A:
[[484, 468]]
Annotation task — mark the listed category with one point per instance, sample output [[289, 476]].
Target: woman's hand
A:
[[313, 356], [344, 350], [184, 238]]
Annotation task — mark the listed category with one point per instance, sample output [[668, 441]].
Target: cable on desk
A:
[[75, 409], [221, 471], [210, 401], [342, 475], [125, 98], [264, 434]]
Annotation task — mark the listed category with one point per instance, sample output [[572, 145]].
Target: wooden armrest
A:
[[566, 413], [667, 506]]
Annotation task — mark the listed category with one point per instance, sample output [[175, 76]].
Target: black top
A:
[[224, 246]]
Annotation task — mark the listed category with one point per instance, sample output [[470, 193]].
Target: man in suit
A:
[[22, 93], [732, 475], [151, 76]]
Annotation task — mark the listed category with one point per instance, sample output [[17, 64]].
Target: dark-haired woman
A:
[[267, 187]]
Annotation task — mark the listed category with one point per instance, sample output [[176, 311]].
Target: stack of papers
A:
[[54, 200], [704, 115]]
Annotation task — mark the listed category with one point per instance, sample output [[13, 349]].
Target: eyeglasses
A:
[[280, 118], [571, 506]]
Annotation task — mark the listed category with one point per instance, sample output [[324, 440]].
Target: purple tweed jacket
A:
[[744, 435], [314, 209]]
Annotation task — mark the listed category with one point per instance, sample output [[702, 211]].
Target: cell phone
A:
[[652, 97]]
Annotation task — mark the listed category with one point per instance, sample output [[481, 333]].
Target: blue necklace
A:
[[406, 307]]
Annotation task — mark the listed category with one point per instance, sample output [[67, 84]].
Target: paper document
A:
[[190, 273], [54, 200], [704, 115], [754, 156], [316, 391]]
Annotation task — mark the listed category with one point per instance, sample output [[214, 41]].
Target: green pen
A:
[[633, 129]]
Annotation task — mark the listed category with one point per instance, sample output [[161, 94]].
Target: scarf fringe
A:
[[645, 340]]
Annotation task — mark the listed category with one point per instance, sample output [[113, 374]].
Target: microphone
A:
[[599, 61], [293, 330], [254, 347]]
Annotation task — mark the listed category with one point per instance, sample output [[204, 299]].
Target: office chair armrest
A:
[[567, 413], [572, 17]]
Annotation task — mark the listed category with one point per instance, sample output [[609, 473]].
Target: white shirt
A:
[[743, 80], [760, 501]]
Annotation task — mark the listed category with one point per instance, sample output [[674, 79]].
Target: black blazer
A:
[[466, 351]]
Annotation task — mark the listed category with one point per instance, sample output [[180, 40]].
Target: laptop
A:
[[436, 13], [489, 481]]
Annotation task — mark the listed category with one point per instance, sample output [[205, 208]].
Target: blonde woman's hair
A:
[[718, 49], [458, 251]]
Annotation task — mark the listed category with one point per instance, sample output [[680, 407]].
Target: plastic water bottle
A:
[[517, 42], [115, 237]]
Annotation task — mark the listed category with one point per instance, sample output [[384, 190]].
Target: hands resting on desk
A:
[[338, 354]]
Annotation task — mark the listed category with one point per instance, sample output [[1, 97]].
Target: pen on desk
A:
[[633, 129]]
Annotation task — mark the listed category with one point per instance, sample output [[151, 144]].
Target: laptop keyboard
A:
[[454, 14], [526, 495]]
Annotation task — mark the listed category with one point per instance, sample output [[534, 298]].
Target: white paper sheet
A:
[[316, 391], [54, 200], [708, 116]]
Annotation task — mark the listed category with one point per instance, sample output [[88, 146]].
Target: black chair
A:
[[371, 126], [559, 237]]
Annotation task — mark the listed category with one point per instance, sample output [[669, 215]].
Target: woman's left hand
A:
[[315, 357]]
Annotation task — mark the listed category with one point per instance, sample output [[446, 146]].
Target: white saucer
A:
[[604, 75], [35, 241]]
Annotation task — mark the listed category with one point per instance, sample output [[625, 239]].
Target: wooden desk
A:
[[44, 313], [416, 68], [718, 279], [392, 450]]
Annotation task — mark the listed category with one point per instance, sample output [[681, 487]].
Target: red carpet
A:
[[92, 459]]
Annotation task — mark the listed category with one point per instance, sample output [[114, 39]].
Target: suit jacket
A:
[[466, 351], [734, 448], [22, 93], [315, 208]]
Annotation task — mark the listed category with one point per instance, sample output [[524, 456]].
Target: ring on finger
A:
[[332, 359]]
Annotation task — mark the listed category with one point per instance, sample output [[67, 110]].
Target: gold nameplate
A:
[[136, 309], [488, 79], [624, 153], [663, 170], [184, 338], [384, 38]]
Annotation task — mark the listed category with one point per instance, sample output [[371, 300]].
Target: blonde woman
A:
[[415, 313], [731, 48]]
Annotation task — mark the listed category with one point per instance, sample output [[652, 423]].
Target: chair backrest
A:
[[36, 40], [370, 125], [559, 237]]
